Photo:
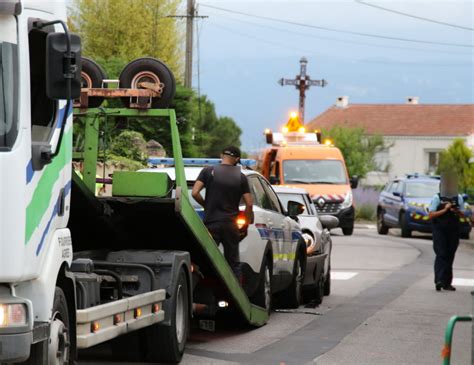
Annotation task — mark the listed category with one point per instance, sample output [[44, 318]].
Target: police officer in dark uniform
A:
[[445, 211], [225, 186]]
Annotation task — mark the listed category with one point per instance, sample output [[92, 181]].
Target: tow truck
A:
[[300, 159], [76, 269]]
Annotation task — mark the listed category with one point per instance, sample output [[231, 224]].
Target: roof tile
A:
[[401, 119]]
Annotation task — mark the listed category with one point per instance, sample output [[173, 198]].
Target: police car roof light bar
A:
[[197, 161]]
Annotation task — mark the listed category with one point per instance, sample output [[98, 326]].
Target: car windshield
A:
[[8, 82], [314, 172], [285, 198], [422, 189]]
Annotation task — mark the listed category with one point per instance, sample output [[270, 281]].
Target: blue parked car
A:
[[404, 203]]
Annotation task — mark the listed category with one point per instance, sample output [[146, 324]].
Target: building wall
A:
[[409, 154]]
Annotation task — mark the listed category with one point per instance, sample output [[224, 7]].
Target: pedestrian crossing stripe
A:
[[463, 282], [343, 275]]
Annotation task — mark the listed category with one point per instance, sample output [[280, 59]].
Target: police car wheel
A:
[[381, 227], [406, 232]]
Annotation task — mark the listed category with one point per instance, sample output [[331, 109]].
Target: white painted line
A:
[[458, 281], [342, 275]]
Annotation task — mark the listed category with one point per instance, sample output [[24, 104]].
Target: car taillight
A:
[[241, 220]]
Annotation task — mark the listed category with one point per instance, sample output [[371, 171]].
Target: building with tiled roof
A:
[[416, 133]]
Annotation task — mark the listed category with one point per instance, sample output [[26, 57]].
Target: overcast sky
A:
[[241, 58]]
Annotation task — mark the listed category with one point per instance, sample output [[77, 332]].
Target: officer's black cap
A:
[[232, 151]]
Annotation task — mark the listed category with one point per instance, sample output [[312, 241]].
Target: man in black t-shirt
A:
[[225, 186]]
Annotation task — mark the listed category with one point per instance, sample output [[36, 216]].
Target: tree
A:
[[128, 29], [455, 159], [357, 148]]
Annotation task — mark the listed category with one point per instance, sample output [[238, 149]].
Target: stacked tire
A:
[[147, 69]]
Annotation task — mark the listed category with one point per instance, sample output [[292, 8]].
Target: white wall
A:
[[410, 154]]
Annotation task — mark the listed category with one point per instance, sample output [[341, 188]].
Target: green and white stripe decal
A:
[[42, 196]]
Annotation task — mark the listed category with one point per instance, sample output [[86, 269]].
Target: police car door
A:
[[265, 221], [282, 229]]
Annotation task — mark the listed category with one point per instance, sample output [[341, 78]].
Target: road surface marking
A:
[[461, 282], [342, 275]]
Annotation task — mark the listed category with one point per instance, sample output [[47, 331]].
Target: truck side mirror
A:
[[295, 208], [63, 70], [354, 182]]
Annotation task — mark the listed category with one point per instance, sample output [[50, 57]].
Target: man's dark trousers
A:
[[228, 234], [445, 244]]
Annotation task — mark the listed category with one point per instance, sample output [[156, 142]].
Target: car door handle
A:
[[270, 223]]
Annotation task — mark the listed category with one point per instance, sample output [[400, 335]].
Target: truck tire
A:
[[148, 70], [381, 227], [406, 232], [165, 344], [92, 76], [292, 296], [347, 231], [327, 282], [263, 294], [59, 349]]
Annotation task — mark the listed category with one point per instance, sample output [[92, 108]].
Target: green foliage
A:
[[124, 163], [455, 159], [129, 144], [365, 212], [358, 149], [126, 29]]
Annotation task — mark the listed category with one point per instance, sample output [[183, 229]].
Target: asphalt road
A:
[[383, 309]]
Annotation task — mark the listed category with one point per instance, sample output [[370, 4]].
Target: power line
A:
[[362, 34], [414, 16], [342, 40], [305, 51]]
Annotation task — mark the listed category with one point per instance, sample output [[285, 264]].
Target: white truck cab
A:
[[35, 244]]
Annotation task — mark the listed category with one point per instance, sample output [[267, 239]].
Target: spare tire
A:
[[148, 70], [92, 76]]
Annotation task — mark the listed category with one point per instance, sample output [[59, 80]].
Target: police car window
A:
[[399, 187], [393, 187], [273, 198], [310, 205], [259, 196]]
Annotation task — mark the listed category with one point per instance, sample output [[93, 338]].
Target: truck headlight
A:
[[347, 200], [12, 315]]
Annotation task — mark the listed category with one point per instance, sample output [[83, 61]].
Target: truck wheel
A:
[[148, 70], [292, 296], [59, 344], [327, 282], [92, 76], [165, 344], [406, 232], [348, 231], [381, 227], [263, 295]]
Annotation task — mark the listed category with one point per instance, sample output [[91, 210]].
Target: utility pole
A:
[[188, 67], [302, 82], [191, 13]]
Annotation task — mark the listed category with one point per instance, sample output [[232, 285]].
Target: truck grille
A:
[[328, 207]]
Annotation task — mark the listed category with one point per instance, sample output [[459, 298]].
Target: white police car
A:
[[273, 254]]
